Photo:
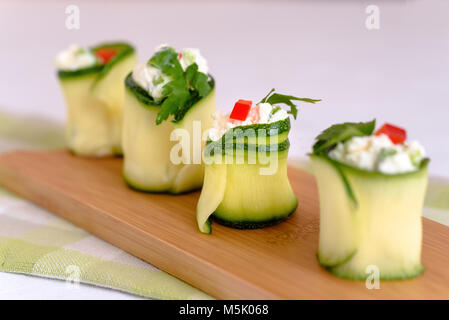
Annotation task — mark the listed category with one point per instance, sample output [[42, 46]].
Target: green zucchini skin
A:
[[139, 93], [76, 74], [249, 133], [252, 224], [248, 199], [231, 148], [136, 187], [245, 140], [374, 174], [124, 50], [350, 275]]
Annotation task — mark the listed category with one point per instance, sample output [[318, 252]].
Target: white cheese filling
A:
[[379, 153], [189, 56], [153, 80], [261, 113], [74, 58]]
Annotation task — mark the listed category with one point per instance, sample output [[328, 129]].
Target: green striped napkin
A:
[[36, 242]]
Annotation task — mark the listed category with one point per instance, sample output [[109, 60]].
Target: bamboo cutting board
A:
[[276, 262]]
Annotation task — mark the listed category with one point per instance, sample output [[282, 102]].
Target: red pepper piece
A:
[[105, 55], [397, 135], [241, 110]]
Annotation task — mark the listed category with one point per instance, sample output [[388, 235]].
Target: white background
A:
[[317, 49]]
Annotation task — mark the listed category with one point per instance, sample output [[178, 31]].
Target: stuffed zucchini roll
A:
[[246, 184], [372, 188], [92, 83], [169, 101]]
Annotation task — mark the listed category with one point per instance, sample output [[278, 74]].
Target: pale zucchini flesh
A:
[[147, 147], [95, 110], [383, 229], [110, 91], [211, 196], [237, 195], [337, 238]]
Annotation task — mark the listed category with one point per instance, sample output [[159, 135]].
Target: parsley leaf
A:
[[266, 97], [277, 98], [177, 94], [197, 80], [166, 59], [185, 86], [190, 73], [340, 133]]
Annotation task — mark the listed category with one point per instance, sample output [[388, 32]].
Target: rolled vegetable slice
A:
[[239, 196], [369, 220], [94, 96], [152, 160], [246, 184]]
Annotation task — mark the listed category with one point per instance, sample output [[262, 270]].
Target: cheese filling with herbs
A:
[[153, 80], [261, 113], [379, 153], [75, 57]]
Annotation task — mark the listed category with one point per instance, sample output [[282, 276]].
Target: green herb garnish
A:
[[387, 152], [416, 157], [183, 85], [342, 132], [273, 111], [197, 80], [277, 98]]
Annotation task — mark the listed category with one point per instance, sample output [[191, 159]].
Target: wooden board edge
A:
[[160, 254]]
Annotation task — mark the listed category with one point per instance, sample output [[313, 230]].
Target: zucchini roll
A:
[[372, 188], [92, 84], [170, 97], [246, 184]]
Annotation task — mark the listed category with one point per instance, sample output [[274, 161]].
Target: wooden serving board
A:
[[276, 262]]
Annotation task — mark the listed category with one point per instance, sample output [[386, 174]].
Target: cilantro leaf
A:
[[277, 98], [340, 133]]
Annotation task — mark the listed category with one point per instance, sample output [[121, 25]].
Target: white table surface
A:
[[317, 49]]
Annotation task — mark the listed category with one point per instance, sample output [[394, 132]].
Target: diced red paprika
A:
[[241, 110], [105, 55], [397, 135]]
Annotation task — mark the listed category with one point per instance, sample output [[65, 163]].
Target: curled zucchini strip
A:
[[95, 97], [246, 184], [152, 160], [381, 230]]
